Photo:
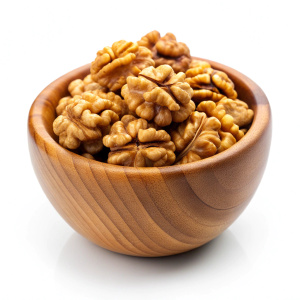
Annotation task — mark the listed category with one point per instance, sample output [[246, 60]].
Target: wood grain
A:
[[149, 211]]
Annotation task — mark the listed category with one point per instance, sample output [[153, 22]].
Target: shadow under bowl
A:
[[149, 211]]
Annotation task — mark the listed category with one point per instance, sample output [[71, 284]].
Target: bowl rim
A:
[[259, 126]]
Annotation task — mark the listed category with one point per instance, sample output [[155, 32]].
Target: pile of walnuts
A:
[[150, 104]]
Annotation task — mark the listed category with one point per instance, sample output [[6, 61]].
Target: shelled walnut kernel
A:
[[209, 84], [133, 142], [159, 94], [196, 138], [114, 64], [167, 51], [84, 121]]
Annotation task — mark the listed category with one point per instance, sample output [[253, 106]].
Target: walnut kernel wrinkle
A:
[[209, 84], [227, 120], [227, 140], [84, 121], [159, 95], [239, 110], [120, 108], [114, 64], [63, 102], [78, 86], [196, 67], [166, 50], [149, 41], [196, 138], [133, 143]]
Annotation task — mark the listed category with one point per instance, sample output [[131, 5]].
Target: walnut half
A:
[[166, 50], [83, 122], [228, 112], [133, 142], [78, 86], [196, 138], [114, 64], [208, 83], [160, 95]]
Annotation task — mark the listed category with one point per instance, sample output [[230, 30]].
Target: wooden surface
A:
[[149, 211]]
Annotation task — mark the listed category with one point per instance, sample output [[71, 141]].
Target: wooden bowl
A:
[[149, 211]]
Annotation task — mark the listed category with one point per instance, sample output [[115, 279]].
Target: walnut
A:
[[196, 138], [223, 82], [133, 143], [160, 95], [84, 121], [227, 120], [245, 130], [196, 64], [197, 67], [209, 84], [63, 102], [121, 107], [88, 155], [91, 85], [78, 86], [238, 109], [149, 41], [227, 140], [114, 64], [166, 50]]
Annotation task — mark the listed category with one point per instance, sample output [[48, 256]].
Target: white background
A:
[[258, 257]]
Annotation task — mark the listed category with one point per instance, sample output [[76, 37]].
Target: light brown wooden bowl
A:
[[149, 211]]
